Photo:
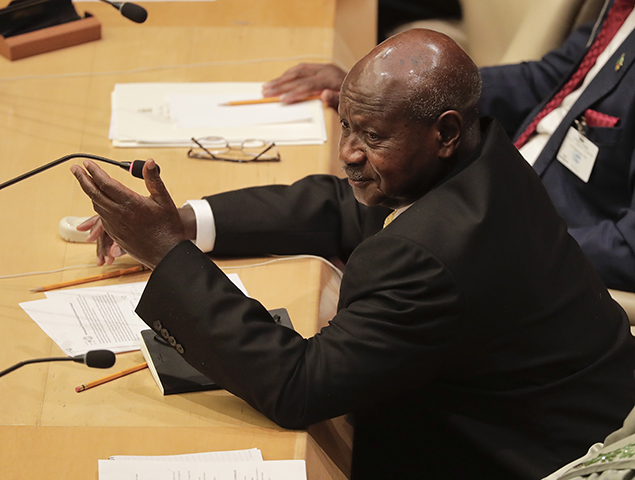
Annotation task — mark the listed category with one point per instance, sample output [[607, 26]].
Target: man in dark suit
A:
[[472, 336], [600, 210]]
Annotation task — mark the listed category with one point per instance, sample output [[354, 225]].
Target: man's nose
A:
[[351, 151]]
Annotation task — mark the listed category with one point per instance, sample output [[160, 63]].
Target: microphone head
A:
[[134, 12], [136, 168], [100, 359]]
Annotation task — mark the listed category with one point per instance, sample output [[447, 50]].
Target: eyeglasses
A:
[[218, 148]]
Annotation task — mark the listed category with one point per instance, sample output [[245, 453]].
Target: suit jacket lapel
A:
[[606, 80]]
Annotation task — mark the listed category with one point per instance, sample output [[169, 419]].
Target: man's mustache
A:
[[354, 172]]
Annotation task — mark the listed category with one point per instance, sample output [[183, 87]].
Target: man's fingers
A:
[[88, 224], [88, 185], [277, 84], [289, 80], [299, 91], [108, 187], [86, 182], [158, 192], [101, 202], [151, 176], [116, 251], [96, 231], [330, 98]]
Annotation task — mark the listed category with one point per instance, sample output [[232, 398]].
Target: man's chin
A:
[[363, 196]]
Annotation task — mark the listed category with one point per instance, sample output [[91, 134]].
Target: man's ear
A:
[[450, 126]]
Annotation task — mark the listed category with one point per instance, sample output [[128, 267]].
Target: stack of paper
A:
[[83, 319], [244, 464], [170, 114]]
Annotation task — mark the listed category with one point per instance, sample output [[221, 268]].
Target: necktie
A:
[[389, 218], [614, 20]]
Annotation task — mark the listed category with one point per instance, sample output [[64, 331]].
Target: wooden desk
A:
[[59, 103], [72, 453]]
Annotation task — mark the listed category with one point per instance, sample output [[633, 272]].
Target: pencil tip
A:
[[35, 290]]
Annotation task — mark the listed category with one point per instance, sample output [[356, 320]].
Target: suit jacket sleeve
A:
[[610, 246], [368, 352], [317, 215]]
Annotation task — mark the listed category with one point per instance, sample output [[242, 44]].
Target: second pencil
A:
[[93, 278]]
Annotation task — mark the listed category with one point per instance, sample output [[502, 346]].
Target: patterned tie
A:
[[614, 20], [389, 218]]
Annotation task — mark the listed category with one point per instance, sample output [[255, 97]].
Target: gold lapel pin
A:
[[620, 62]]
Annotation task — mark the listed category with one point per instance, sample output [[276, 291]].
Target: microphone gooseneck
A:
[[135, 167], [131, 11], [94, 359]]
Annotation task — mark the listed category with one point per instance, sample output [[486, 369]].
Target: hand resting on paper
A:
[[145, 227], [305, 80]]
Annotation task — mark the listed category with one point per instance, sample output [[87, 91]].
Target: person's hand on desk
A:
[[145, 227], [305, 80]]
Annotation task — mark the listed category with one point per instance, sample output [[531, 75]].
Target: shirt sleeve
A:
[[205, 225]]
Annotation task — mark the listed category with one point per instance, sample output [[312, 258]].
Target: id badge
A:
[[578, 154]]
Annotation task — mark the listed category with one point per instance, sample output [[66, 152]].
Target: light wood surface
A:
[[72, 453], [59, 103]]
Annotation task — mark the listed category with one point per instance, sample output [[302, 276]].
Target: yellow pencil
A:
[[257, 101], [94, 278], [109, 378]]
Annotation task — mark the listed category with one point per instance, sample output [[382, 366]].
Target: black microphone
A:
[[131, 11], [135, 167], [94, 359]]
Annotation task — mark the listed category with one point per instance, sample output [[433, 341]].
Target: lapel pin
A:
[[620, 62]]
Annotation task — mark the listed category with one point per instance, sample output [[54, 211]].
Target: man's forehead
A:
[[371, 107], [375, 87]]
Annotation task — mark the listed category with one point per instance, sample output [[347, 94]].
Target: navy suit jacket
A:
[[601, 213], [472, 339]]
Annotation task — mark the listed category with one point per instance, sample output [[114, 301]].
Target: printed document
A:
[[248, 455], [143, 470], [83, 319], [171, 114]]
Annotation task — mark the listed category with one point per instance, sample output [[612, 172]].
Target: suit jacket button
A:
[[157, 325], [164, 333], [179, 348], [172, 340]]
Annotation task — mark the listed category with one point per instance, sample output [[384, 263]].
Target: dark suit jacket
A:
[[473, 339], [601, 213]]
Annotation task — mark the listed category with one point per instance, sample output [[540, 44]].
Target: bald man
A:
[[472, 339]]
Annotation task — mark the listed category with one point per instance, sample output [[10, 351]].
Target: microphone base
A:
[[80, 31]]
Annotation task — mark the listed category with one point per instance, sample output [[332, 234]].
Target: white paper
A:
[[142, 116], [146, 1], [142, 470], [83, 319], [207, 111], [248, 455]]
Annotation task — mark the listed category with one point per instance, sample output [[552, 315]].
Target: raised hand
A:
[[145, 227]]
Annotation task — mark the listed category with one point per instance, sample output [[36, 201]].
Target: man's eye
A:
[[344, 123], [373, 137]]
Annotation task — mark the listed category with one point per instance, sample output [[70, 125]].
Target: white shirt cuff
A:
[[205, 225]]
